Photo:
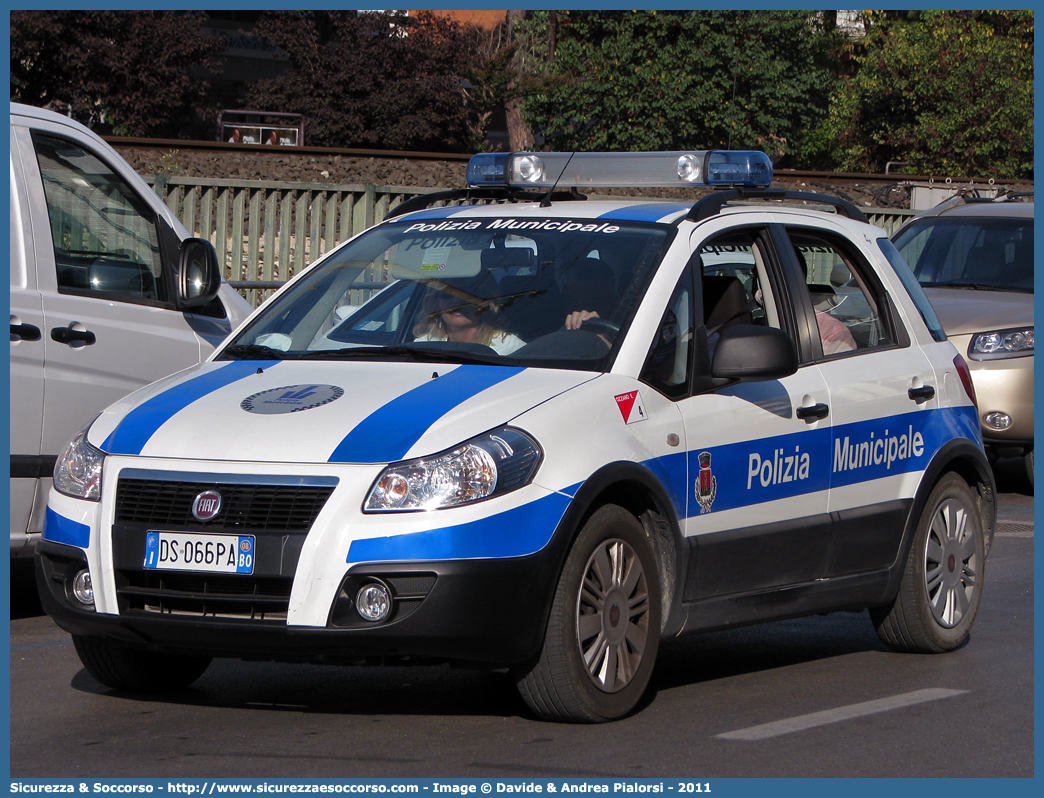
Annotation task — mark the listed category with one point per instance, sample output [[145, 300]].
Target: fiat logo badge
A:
[[206, 505]]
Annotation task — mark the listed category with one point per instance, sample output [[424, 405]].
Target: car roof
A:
[[990, 208]]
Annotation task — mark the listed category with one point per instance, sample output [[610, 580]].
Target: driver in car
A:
[[461, 318]]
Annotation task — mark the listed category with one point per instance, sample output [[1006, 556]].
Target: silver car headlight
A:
[[78, 471], [489, 465], [1004, 343]]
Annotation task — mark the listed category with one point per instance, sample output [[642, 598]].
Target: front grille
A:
[[275, 508], [205, 595]]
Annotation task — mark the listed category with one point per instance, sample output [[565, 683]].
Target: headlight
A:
[[489, 465], [1004, 343], [78, 471]]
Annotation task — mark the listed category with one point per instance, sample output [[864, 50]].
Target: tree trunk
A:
[[520, 137]]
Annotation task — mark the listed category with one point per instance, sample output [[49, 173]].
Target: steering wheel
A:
[[599, 326]]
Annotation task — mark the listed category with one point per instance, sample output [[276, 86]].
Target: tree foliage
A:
[[949, 91], [663, 80], [374, 79], [131, 69]]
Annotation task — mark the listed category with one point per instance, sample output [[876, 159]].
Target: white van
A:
[[108, 293]]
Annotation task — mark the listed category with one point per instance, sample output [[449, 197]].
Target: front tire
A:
[[941, 588], [124, 668], [604, 629]]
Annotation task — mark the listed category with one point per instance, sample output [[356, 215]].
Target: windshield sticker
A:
[[435, 259], [291, 399], [631, 407]]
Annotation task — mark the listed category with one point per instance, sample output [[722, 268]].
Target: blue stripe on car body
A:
[[768, 469], [527, 529], [514, 533], [387, 434], [141, 423], [645, 212], [59, 529], [434, 213]]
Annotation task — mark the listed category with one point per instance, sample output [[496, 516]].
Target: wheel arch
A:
[[636, 489], [967, 460]]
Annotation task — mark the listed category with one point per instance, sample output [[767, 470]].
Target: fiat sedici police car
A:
[[541, 433]]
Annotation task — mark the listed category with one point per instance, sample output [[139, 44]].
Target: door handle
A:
[[813, 412], [25, 332], [71, 337], [921, 395]]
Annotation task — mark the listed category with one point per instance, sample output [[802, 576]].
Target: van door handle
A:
[[71, 337], [813, 412], [921, 395], [25, 332]]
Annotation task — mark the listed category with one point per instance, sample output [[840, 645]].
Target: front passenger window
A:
[[105, 237]]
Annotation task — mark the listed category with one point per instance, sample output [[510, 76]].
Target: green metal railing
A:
[[265, 231]]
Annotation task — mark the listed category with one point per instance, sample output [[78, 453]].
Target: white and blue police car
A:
[[541, 432]]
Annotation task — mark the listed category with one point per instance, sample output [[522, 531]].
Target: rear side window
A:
[[849, 307], [913, 288], [104, 235]]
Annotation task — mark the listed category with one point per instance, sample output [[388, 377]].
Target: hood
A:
[[964, 311], [320, 412]]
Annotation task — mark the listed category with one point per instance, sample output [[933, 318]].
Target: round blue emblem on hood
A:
[[291, 399]]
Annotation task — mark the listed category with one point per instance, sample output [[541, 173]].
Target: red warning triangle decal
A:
[[626, 403]]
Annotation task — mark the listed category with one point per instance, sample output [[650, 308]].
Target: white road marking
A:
[[814, 719]]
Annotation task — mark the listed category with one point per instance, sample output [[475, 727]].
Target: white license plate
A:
[[187, 551]]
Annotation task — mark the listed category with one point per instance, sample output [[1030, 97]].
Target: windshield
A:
[[491, 290], [991, 253]]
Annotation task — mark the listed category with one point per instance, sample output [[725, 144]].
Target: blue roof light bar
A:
[[544, 170]]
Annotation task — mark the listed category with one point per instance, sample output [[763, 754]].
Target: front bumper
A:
[[489, 611]]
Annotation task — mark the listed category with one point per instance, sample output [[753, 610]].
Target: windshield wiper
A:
[[501, 302], [416, 353], [967, 284], [251, 352]]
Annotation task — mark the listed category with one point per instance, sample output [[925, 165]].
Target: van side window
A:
[[105, 237]]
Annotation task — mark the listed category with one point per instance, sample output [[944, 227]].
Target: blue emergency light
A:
[[544, 170]]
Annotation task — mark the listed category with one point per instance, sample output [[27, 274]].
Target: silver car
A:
[[974, 258]]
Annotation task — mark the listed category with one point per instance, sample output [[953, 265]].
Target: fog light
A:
[[373, 602], [82, 590], [997, 420]]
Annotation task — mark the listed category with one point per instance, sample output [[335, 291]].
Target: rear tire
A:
[[941, 588], [604, 629], [1029, 467], [124, 668]]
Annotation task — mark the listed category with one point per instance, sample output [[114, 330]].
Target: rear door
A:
[[882, 396]]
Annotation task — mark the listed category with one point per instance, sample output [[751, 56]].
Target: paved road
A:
[[813, 697]]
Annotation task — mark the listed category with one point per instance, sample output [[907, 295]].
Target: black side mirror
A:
[[199, 276], [750, 353]]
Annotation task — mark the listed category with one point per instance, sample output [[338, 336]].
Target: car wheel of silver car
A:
[[1029, 467], [124, 668], [942, 584], [604, 629]]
